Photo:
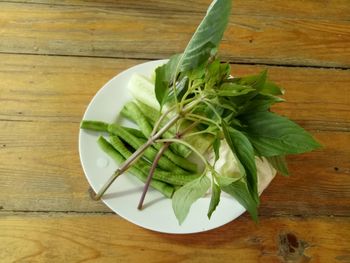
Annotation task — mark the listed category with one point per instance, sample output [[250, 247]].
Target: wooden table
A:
[[55, 55]]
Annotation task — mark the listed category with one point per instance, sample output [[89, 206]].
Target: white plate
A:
[[123, 196]]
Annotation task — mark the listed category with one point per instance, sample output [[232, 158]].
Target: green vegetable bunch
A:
[[199, 99]]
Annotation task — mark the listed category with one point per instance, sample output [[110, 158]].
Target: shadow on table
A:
[[123, 193]]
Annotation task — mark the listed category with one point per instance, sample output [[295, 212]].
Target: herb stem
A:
[[188, 145], [138, 153], [207, 102], [161, 118], [151, 173], [198, 133], [193, 116]]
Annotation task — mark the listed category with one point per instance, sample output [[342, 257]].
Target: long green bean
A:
[[137, 133], [103, 126], [150, 153], [137, 113], [168, 177], [166, 189], [176, 159], [94, 125], [139, 139]]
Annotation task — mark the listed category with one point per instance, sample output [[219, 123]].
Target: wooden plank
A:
[[49, 88], [52, 88], [94, 31], [40, 171], [64, 238], [40, 168], [329, 9], [319, 183]]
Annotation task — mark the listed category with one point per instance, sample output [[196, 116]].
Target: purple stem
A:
[[151, 172], [156, 160]]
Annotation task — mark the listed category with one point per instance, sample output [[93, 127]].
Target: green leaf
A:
[[225, 180], [216, 146], [215, 199], [161, 85], [207, 36], [271, 88], [240, 101], [260, 81], [216, 72], [212, 76], [261, 102], [273, 135], [232, 89], [225, 70], [242, 148], [255, 81], [197, 73], [181, 88], [185, 196], [279, 163], [239, 190], [225, 104], [164, 77]]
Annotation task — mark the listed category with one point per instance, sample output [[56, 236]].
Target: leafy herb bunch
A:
[[197, 89]]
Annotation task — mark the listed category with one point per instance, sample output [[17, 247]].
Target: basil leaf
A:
[[216, 146], [231, 90], [189, 193], [243, 149], [207, 36], [279, 163], [259, 83], [273, 135], [161, 85], [164, 77], [215, 74], [225, 104], [261, 102], [215, 199], [225, 180], [239, 190], [271, 88], [255, 81], [181, 88]]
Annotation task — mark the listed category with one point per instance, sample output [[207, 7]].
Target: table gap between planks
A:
[[55, 55]]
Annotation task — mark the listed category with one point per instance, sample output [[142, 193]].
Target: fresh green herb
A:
[[215, 198], [195, 104], [187, 195]]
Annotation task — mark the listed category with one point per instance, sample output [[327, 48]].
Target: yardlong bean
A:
[[134, 113], [135, 132], [168, 177], [150, 153], [166, 189], [94, 125], [145, 115], [136, 138]]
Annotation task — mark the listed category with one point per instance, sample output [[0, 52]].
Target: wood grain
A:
[[139, 33], [321, 9], [43, 100], [50, 88], [41, 172], [40, 168], [46, 214], [46, 88], [61, 238]]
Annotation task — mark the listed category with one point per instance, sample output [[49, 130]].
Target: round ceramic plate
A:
[[123, 196]]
